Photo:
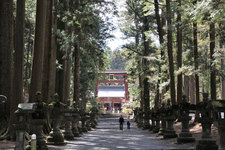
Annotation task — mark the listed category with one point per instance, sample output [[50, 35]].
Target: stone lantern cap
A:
[[219, 108], [27, 107], [3, 99]]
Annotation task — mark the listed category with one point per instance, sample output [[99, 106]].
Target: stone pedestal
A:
[[37, 125], [185, 136], [206, 144], [20, 136], [206, 119], [221, 128], [169, 132], [152, 126], [75, 129], [68, 134], [55, 136], [157, 126], [162, 127]]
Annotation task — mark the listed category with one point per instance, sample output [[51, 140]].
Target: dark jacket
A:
[[121, 120]]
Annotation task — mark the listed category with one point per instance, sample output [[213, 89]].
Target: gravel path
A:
[[107, 136]]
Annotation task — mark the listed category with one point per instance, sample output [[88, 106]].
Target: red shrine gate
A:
[[113, 91]]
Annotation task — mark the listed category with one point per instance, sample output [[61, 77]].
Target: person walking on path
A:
[[128, 122], [121, 121]]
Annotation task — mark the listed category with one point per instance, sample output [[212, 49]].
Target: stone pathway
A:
[[107, 136]]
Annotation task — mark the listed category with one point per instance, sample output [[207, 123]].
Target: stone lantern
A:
[[162, 112], [152, 118], [76, 118], [219, 108], [57, 109], [83, 115], [68, 116], [2, 99], [156, 115], [22, 116], [206, 119], [170, 118], [185, 135], [38, 120]]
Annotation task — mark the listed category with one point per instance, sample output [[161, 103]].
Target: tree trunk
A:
[[179, 55], [161, 41], [195, 41], [17, 88], [52, 72], [222, 40], [6, 48], [66, 77], [77, 75], [186, 87], [212, 68], [47, 53], [170, 53], [192, 89], [36, 78], [145, 70]]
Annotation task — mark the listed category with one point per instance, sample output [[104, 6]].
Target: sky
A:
[[118, 41]]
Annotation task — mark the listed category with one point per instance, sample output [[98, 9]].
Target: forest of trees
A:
[[51, 46], [59, 46], [189, 58]]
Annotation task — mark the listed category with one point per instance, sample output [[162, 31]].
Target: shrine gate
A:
[[113, 91]]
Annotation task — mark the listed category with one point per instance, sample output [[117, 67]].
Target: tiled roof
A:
[[115, 71]]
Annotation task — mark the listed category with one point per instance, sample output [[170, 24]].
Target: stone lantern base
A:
[[169, 134], [206, 144], [185, 137], [55, 138]]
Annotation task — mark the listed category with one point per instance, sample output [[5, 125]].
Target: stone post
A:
[[170, 118], [162, 111], [20, 128], [68, 134], [157, 120], [219, 108], [185, 135], [55, 136], [38, 120], [206, 141]]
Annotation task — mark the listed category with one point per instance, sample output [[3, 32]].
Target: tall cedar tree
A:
[[39, 41], [170, 52], [161, 41], [6, 48], [195, 42], [48, 79], [145, 69], [179, 54], [212, 33], [17, 88]]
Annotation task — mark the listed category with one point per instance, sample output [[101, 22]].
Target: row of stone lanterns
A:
[[31, 117], [166, 115]]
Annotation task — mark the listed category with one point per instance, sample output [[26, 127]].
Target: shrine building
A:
[[113, 91]]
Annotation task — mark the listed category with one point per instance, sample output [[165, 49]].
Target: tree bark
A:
[[6, 48], [17, 88], [145, 71], [47, 54], [77, 75], [221, 42], [179, 55], [170, 52], [161, 41], [192, 89], [186, 87], [212, 69], [36, 78]]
